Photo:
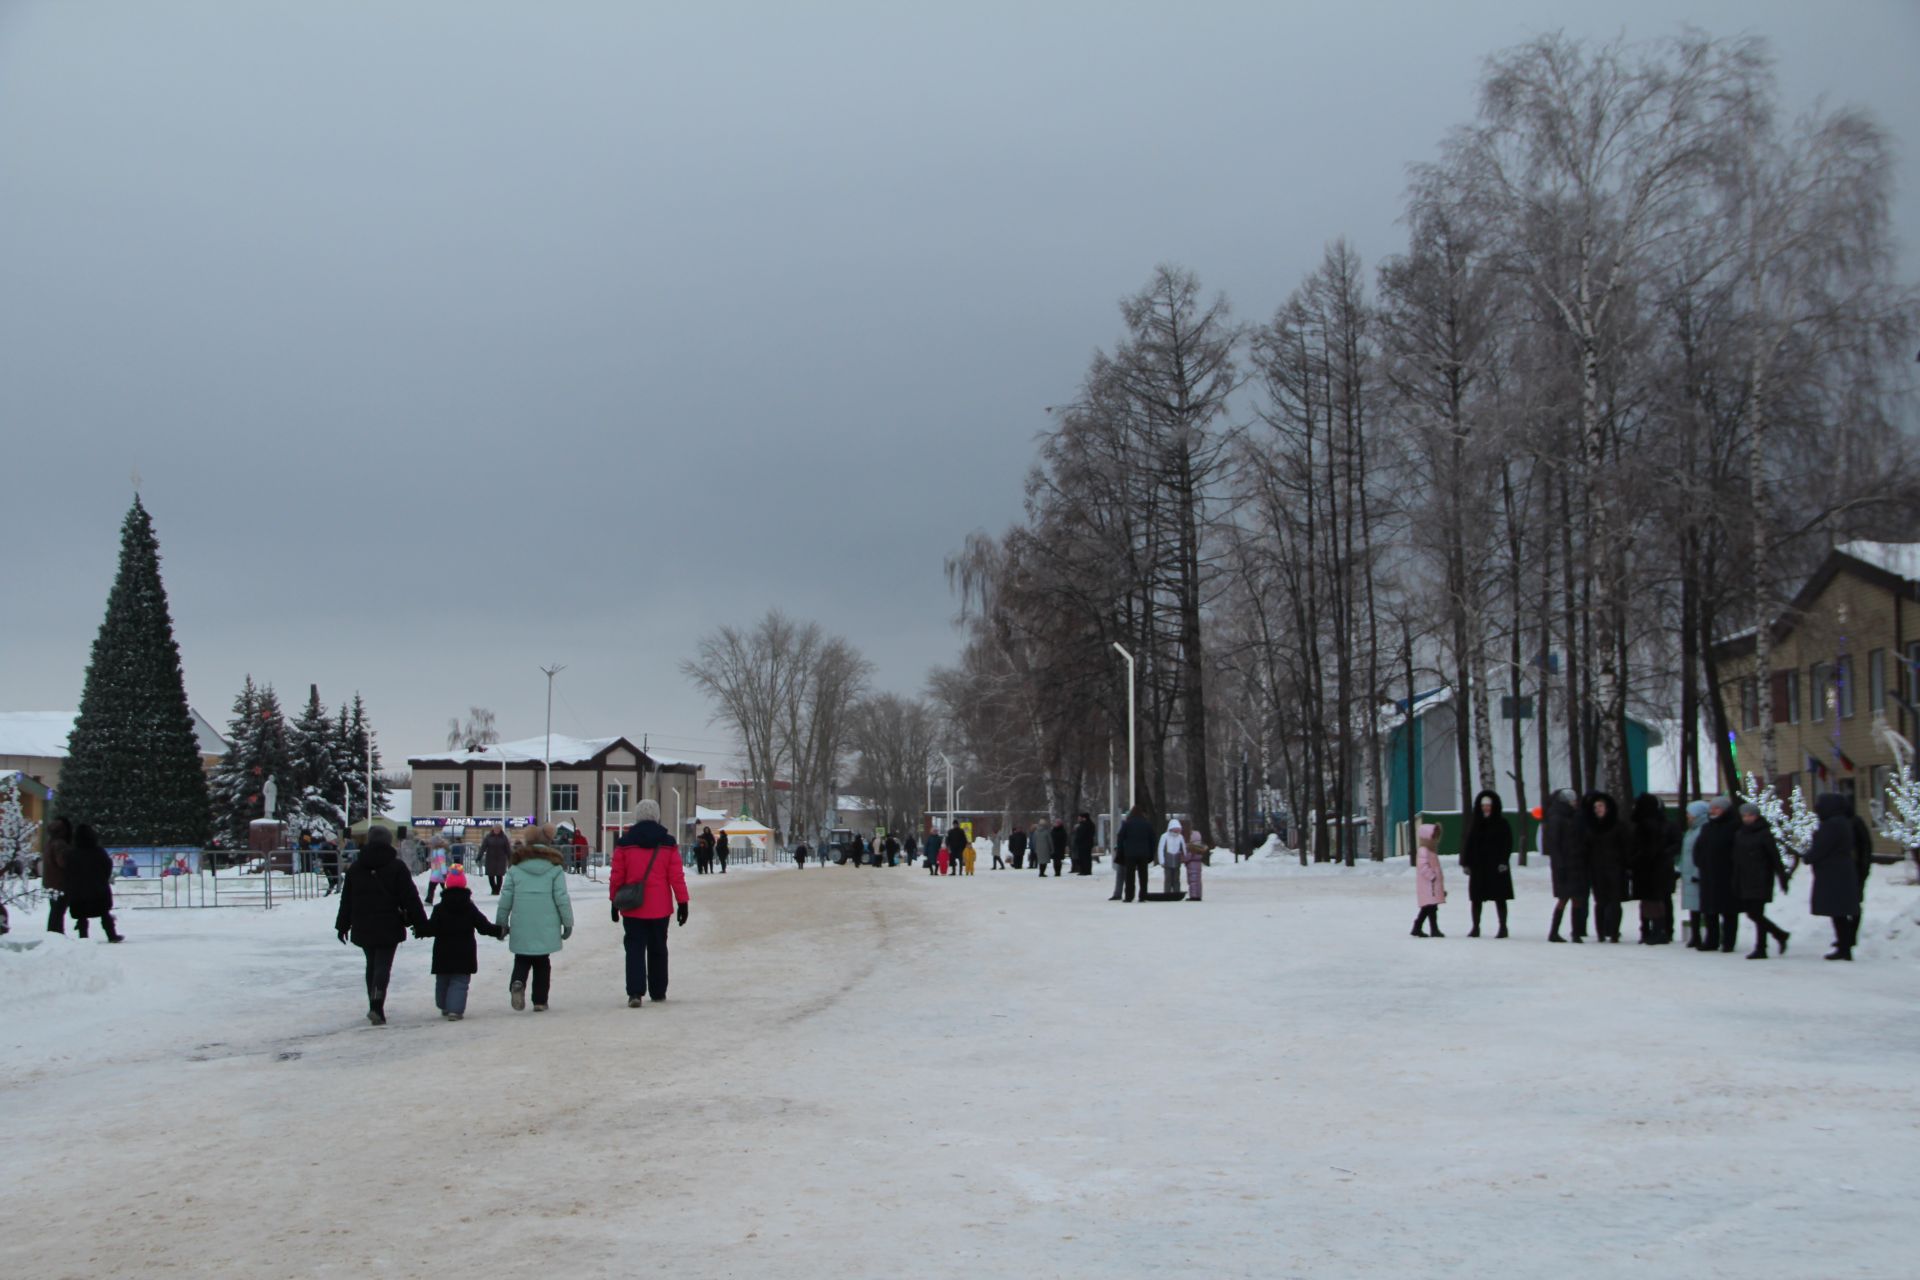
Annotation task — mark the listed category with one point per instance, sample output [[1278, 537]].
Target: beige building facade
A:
[[1844, 663], [594, 784]]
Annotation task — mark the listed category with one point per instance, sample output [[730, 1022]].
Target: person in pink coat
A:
[[1429, 880], [645, 854], [1196, 859]]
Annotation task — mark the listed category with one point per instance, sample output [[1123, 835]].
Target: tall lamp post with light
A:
[[551, 671]]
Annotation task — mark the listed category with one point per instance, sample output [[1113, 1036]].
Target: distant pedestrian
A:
[[1609, 845], [999, 863], [378, 904], [436, 867], [1133, 850], [956, 850], [1017, 846], [496, 851], [1566, 853], [1837, 884], [581, 848], [1486, 855], [1059, 846], [89, 881], [454, 926], [1083, 842], [1196, 861], [968, 857], [1713, 857], [1173, 856], [800, 855], [703, 852], [1041, 846], [1690, 872], [1430, 882], [1756, 868], [645, 855], [537, 916], [721, 851], [53, 872], [1655, 854]]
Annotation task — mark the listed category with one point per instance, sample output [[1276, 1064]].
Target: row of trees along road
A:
[[1641, 360]]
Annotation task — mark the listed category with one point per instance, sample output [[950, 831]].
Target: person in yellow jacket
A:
[[968, 857]]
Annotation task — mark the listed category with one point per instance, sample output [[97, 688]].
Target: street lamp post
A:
[[1131, 772], [949, 763], [551, 671]]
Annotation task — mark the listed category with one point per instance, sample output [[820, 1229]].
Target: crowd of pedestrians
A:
[[1724, 860]]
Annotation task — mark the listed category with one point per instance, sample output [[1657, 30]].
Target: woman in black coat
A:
[[1756, 866], [703, 852], [1567, 855], [89, 879], [1487, 858], [1656, 848], [1609, 844], [1713, 861], [378, 904], [1836, 873]]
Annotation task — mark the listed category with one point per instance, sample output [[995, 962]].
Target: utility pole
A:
[[1132, 773]]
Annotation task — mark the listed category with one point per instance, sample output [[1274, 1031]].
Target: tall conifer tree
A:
[[133, 761]]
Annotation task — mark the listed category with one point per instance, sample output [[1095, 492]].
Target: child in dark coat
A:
[[453, 926]]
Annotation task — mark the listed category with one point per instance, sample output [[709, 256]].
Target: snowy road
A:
[[873, 1073]]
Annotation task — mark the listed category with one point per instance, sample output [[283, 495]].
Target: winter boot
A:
[[633, 1002], [517, 994], [1780, 936], [1502, 933], [1418, 930], [377, 1008]]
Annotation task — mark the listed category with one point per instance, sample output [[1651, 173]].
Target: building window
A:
[[446, 797], [564, 798], [1792, 687], [1877, 680], [617, 797], [1843, 687], [1820, 677], [495, 797]]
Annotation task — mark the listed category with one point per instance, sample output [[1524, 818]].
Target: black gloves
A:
[[616, 914], [343, 936], [681, 914]]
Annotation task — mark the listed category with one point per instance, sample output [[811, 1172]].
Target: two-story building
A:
[[1845, 660], [591, 783]]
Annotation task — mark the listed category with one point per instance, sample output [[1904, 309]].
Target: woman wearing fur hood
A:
[[536, 915]]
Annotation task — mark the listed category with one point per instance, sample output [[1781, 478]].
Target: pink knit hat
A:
[[457, 877]]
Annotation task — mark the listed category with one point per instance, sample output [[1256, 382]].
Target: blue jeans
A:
[[450, 991], [646, 957]]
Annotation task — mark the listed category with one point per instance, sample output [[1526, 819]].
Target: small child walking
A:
[[1196, 859], [1429, 881], [969, 857], [946, 860], [436, 867], [453, 927]]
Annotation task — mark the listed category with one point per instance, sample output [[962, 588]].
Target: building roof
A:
[[45, 733], [35, 733], [1892, 566], [1902, 559], [568, 752]]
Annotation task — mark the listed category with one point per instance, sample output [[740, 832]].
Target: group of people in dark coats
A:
[[1725, 860], [707, 851], [1597, 853]]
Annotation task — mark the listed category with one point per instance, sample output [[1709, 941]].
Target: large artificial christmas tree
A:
[[133, 760], [257, 753]]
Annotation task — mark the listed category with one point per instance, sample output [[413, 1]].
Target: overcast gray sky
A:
[[452, 339]]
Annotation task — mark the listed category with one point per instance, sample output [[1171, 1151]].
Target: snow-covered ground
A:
[[867, 1072]]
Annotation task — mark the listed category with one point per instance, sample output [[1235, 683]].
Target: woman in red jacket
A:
[[645, 855]]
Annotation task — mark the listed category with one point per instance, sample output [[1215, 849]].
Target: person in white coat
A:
[[1173, 856]]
